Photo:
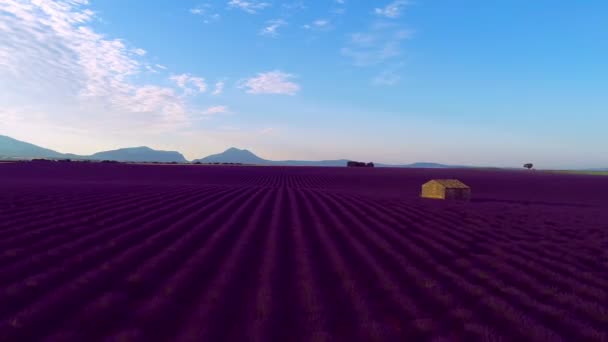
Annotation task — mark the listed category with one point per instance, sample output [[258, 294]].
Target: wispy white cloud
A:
[[273, 82], [392, 10], [339, 7], [229, 128], [296, 5], [151, 69], [267, 131], [378, 45], [292, 8], [150, 98], [338, 11], [139, 52], [389, 76], [272, 27], [250, 7], [212, 17], [154, 68], [206, 12], [51, 57], [216, 110], [319, 24], [219, 88], [190, 84], [363, 40]]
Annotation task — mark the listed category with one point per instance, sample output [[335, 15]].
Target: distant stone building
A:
[[446, 189]]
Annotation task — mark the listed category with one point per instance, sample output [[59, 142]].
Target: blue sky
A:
[[467, 82]]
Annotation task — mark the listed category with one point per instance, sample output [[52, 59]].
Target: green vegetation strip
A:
[[574, 172]]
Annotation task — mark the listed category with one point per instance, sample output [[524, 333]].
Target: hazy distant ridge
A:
[[140, 154], [235, 155], [15, 149], [12, 148]]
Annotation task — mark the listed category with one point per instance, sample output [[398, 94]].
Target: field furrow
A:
[[126, 252], [76, 225], [111, 228], [119, 241], [447, 300], [159, 313], [260, 304], [143, 279], [342, 257], [221, 296]]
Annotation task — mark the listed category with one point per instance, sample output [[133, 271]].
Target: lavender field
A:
[[117, 252]]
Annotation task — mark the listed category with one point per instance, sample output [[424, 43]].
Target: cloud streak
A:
[[190, 84], [273, 82], [392, 10], [250, 7], [216, 110], [205, 12], [319, 24], [376, 46], [389, 76], [219, 88], [272, 27]]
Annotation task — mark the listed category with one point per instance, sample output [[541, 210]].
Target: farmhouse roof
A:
[[451, 183]]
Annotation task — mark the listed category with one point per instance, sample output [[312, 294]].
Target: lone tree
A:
[[528, 166]]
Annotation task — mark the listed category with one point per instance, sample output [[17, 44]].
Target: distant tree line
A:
[[43, 160], [217, 163], [105, 161], [359, 164]]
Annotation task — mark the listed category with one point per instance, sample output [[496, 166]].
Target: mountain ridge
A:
[[14, 149], [244, 156], [233, 155], [140, 154], [11, 148]]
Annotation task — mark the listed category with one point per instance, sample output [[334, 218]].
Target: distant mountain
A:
[[234, 155], [139, 154], [13, 148]]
